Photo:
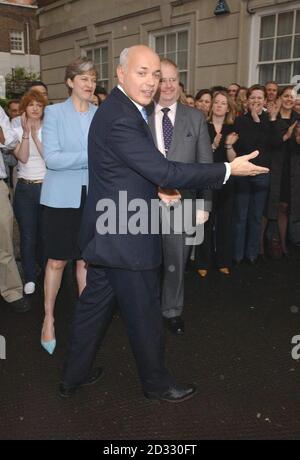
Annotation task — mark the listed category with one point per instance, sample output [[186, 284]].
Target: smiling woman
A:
[[81, 79], [63, 195]]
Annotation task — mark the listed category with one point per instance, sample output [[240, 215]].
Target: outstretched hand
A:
[[242, 166]]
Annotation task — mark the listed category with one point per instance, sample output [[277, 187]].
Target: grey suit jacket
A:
[[190, 144]]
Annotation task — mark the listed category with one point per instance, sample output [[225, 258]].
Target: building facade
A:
[[255, 41], [18, 44]]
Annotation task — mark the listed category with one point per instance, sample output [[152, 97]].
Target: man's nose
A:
[[151, 80]]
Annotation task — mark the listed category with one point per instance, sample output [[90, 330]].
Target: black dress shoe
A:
[[176, 325], [66, 391], [20, 306], [173, 394]]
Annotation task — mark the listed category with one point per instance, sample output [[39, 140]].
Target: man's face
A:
[[140, 77], [272, 92], [169, 85], [41, 89], [13, 110]]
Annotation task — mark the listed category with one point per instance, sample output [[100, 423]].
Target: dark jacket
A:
[[254, 136], [123, 157]]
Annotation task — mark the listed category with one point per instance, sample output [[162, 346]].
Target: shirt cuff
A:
[[228, 172]]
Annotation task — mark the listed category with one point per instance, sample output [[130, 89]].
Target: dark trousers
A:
[[217, 243], [250, 200], [28, 214], [137, 294]]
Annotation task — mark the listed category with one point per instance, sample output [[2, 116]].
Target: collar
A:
[[172, 107], [138, 106]]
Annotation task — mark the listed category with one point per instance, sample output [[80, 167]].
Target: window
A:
[[100, 58], [16, 42], [279, 47], [174, 45]]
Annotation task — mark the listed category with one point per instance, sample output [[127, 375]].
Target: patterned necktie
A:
[[167, 129], [144, 114]]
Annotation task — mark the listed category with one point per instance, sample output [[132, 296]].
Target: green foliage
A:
[[3, 103], [16, 82]]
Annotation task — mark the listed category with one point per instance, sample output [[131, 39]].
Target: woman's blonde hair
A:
[[231, 114]]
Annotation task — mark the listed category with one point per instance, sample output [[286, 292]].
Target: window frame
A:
[[171, 30], [256, 38], [100, 47], [15, 51]]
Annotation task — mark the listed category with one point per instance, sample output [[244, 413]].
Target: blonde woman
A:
[[219, 226]]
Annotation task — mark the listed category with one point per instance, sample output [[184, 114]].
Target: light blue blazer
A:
[[65, 154]]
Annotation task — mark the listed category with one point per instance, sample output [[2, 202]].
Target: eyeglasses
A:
[[168, 80]]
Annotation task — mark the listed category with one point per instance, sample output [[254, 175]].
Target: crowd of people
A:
[[266, 118], [44, 173]]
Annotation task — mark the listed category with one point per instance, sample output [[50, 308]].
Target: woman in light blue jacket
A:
[[64, 135]]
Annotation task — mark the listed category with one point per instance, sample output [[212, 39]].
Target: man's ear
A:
[[120, 74]]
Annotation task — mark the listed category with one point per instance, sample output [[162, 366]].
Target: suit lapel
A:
[[151, 122]]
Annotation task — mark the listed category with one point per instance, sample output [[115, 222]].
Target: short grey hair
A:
[[123, 60], [78, 67]]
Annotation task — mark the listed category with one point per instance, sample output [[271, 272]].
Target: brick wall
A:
[[42, 3], [15, 18]]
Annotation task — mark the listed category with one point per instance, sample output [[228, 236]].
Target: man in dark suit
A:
[[123, 158], [180, 133]]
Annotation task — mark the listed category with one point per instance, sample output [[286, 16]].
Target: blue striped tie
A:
[[144, 114]]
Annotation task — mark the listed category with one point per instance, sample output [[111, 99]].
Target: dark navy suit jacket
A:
[[123, 157]]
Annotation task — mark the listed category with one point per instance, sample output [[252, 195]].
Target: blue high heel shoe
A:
[[48, 345]]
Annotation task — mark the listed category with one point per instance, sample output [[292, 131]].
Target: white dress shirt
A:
[[3, 174], [10, 136]]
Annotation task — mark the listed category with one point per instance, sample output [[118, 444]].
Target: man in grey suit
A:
[[180, 133]]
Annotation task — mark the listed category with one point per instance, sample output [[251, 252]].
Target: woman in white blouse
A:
[[31, 171]]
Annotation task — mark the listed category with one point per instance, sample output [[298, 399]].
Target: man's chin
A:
[[146, 101]]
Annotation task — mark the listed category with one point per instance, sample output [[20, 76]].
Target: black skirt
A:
[[61, 231], [285, 185]]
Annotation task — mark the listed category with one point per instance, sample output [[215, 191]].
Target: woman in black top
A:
[[282, 189], [254, 130], [217, 242]]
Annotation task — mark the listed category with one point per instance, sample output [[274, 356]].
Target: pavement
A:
[[237, 349]]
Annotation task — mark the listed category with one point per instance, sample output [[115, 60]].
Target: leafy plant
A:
[[17, 81], [3, 103]]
